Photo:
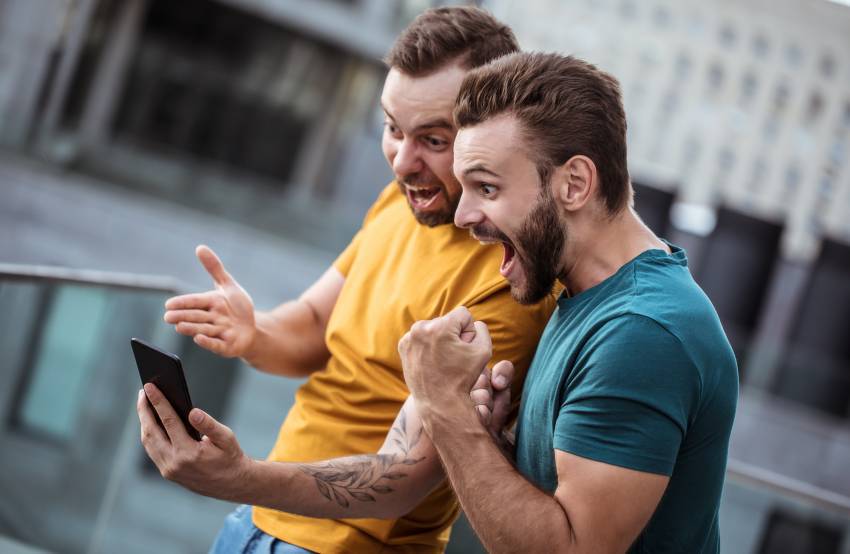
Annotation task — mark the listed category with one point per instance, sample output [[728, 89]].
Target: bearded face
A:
[[533, 255], [431, 201]]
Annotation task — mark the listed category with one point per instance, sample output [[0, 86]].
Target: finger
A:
[[153, 438], [482, 392], [199, 300], [218, 433], [502, 398], [503, 375], [152, 433], [484, 415], [462, 323], [192, 316], [482, 336], [173, 426], [192, 329], [483, 381], [482, 397], [214, 345], [213, 265]]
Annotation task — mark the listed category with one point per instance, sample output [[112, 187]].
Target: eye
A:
[[486, 189], [434, 142], [392, 128]]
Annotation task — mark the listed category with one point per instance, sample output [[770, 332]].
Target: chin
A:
[[433, 218], [523, 294]]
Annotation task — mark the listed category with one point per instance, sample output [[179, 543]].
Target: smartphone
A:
[[164, 370]]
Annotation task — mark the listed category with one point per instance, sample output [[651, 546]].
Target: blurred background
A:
[[132, 130]]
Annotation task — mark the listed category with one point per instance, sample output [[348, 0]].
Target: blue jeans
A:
[[240, 536]]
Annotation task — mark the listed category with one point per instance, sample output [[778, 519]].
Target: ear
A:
[[574, 183]]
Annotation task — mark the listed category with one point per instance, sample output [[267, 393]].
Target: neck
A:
[[598, 246]]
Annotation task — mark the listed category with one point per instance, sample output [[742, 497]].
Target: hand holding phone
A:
[[164, 370]]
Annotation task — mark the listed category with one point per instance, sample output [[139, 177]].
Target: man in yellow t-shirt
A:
[[383, 487]]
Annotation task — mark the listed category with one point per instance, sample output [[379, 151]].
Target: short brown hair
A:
[[438, 36], [565, 106]]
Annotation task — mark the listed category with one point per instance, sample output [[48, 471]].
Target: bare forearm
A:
[[507, 511], [289, 341], [384, 485], [366, 486]]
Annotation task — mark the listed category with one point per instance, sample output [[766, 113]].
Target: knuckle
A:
[[480, 396], [167, 472], [189, 459]]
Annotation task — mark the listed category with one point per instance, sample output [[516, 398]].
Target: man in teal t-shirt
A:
[[636, 372], [628, 405]]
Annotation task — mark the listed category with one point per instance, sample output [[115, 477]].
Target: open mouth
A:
[[508, 260], [509, 257], [422, 198]]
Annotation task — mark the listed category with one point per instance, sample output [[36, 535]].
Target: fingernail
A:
[[141, 393], [500, 381], [196, 416]]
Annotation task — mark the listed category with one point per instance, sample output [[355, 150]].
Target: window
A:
[[66, 348]]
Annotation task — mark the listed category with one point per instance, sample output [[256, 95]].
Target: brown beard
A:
[[541, 239], [539, 245], [431, 219]]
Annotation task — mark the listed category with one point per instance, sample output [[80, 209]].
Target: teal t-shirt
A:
[[637, 372]]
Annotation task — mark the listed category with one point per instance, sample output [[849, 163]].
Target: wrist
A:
[[451, 413], [256, 335], [246, 481]]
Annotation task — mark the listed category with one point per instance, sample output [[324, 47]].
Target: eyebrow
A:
[[481, 168], [436, 123]]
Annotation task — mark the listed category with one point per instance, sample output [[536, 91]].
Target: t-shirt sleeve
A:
[[346, 258], [515, 330], [630, 397]]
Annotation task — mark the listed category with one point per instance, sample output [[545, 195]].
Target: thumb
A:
[[219, 434], [482, 337], [213, 265], [462, 322]]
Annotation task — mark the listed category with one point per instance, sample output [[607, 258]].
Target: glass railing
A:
[[764, 512], [68, 383]]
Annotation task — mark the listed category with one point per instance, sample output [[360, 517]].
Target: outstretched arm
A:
[[387, 484], [288, 340]]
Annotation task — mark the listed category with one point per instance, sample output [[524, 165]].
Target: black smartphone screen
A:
[[166, 372]]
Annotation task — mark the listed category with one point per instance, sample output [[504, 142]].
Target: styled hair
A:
[[565, 107], [439, 36]]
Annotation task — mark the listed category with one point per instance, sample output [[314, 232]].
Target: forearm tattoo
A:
[[363, 477]]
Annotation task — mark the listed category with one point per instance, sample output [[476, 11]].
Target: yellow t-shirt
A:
[[396, 272]]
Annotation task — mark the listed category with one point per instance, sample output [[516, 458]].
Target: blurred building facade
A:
[[132, 130], [739, 145]]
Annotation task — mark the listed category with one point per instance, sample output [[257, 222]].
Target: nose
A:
[[467, 213], [406, 160]]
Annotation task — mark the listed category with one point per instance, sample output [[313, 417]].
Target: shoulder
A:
[[388, 198], [634, 349]]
